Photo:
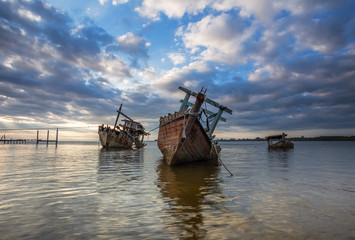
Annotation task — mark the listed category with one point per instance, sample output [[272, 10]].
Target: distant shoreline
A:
[[320, 138]]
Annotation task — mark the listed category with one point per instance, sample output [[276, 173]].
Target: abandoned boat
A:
[[184, 136], [282, 143], [129, 135]]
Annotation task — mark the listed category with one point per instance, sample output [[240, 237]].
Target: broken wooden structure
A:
[[129, 135], [183, 138], [47, 140], [281, 143]]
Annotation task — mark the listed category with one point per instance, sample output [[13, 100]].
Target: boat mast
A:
[[118, 115], [218, 116], [194, 112]]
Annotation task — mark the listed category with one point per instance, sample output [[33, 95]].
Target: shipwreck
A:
[[129, 135], [282, 143], [184, 136]]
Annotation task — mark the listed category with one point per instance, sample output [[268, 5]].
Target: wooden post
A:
[[215, 121], [47, 136], [56, 138], [118, 115], [193, 113], [37, 136]]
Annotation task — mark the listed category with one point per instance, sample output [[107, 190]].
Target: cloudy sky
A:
[[280, 65]]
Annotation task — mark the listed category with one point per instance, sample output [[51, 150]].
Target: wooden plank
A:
[[125, 115], [209, 101], [207, 111]]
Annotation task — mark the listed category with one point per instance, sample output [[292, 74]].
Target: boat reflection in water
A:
[[184, 189]]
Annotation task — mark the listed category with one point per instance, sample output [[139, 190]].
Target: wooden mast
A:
[[185, 104], [118, 115]]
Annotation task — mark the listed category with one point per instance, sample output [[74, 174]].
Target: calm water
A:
[[82, 192]]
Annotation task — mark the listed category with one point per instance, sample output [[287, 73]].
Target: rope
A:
[[214, 146]]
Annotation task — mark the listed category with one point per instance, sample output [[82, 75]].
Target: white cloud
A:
[[29, 15], [133, 44], [173, 9], [148, 75], [261, 10], [177, 58], [116, 2], [221, 36], [189, 75], [102, 2]]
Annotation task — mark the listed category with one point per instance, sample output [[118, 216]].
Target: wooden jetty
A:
[[12, 141], [24, 141], [281, 143], [130, 135], [182, 138]]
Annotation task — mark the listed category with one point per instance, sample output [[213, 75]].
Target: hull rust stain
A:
[[129, 135], [182, 138]]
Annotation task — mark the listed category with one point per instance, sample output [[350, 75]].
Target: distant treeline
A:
[[320, 138], [324, 138]]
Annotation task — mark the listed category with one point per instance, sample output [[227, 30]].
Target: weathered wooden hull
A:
[[283, 145], [110, 138], [177, 148]]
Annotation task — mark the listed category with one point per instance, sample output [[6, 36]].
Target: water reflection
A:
[[279, 158], [117, 167], [184, 189]]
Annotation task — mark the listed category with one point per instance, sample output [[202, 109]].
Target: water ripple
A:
[[82, 192]]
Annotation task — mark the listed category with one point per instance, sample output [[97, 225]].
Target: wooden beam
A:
[[207, 111], [184, 102], [126, 116], [209, 101], [118, 115], [215, 122]]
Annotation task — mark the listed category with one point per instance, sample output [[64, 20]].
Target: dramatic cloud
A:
[[173, 9], [221, 38], [50, 67], [133, 45], [279, 65]]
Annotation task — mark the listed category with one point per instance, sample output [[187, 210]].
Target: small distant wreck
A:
[[129, 135], [281, 143], [182, 137]]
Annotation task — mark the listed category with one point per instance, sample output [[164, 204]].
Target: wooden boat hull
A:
[[110, 138], [284, 145], [177, 148]]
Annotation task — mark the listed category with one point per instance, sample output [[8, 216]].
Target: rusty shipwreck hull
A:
[[196, 146], [110, 138], [183, 139], [130, 134]]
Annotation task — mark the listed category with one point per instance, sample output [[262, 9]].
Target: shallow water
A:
[[79, 191]]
